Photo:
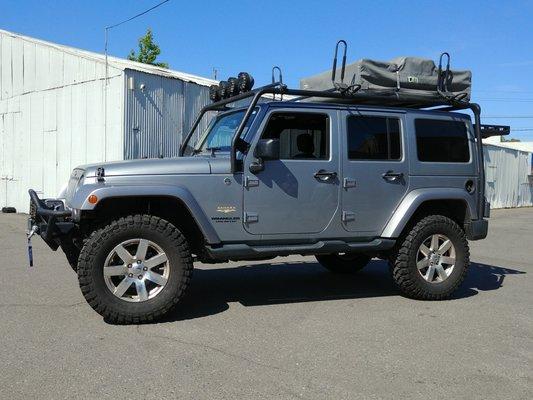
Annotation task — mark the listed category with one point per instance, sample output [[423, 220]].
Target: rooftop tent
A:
[[401, 76]]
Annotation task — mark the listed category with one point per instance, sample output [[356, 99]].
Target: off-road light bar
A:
[[231, 87]]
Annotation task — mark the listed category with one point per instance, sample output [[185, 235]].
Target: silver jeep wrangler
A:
[[341, 175]]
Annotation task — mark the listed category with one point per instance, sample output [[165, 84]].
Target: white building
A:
[[509, 176], [58, 110], [498, 141]]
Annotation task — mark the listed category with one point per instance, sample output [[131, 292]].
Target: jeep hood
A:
[[159, 166]]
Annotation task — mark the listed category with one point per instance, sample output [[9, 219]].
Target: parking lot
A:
[[283, 330]]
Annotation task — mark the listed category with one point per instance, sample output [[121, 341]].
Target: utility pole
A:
[[106, 40]]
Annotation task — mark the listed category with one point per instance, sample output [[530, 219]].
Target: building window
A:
[[374, 138], [302, 136], [439, 140]]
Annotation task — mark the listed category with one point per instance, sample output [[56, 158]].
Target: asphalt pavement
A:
[[280, 330]]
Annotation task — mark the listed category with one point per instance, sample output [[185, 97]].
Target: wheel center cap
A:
[[137, 267]]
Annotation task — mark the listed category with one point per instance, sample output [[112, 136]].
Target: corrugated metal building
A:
[[58, 110], [509, 177]]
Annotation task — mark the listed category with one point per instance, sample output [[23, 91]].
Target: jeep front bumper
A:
[[51, 219]]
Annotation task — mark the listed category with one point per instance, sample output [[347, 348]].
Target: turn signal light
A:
[[92, 199]]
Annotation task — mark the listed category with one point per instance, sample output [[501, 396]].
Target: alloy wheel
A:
[[136, 270], [436, 258]]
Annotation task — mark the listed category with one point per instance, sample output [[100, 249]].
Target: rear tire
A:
[[135, 269], [432, 260], [345, 263]]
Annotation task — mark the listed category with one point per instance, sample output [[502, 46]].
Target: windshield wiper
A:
[[213, 150]]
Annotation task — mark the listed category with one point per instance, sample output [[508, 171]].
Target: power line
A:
[[508, 116], [502, 91], [520, 100], [107, 28], [138, 15]]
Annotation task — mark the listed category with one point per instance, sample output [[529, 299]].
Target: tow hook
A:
[[32, 231]]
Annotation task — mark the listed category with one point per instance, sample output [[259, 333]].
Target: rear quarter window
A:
[[439, 140]]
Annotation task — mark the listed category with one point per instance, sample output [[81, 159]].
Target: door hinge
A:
[[348, 183], [250, 217], [348, 216], [250, 182]]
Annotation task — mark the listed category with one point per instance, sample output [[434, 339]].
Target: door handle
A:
[[391, 176], [325, 176]]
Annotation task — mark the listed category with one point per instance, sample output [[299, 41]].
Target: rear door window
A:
[[373, 138], [440, 140]]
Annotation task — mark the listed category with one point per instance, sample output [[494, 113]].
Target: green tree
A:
[[148, 51]]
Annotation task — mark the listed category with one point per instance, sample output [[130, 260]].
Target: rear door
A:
[[375, 169]]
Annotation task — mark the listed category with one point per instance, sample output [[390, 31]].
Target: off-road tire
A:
[[102, 241], [405, 272], [339, 265]]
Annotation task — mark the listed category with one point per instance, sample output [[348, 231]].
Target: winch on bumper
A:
[[50, 219]]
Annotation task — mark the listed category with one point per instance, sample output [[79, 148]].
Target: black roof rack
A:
[[393, 99]]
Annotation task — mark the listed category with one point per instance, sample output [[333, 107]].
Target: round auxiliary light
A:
[[233, 86], [245, 82], [223, 89], [213, 93], [92, 199]]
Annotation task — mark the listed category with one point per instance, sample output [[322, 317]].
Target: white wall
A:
[[508, 177], [53, 117]]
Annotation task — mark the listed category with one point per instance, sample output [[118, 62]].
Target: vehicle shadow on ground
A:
[[282, 283]]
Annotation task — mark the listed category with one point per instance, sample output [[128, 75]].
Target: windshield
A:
[[220, 132]]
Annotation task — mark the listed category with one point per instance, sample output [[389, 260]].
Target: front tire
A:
[[343, 263], [135, 269], [432, 260]]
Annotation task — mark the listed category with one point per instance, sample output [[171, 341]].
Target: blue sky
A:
[[492, 38]]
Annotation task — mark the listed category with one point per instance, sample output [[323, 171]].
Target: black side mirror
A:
[[266, 149]]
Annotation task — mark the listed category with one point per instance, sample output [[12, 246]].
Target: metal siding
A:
[[52, 117], [508, 179], [5, 61], [17, 63], [158, 117]]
